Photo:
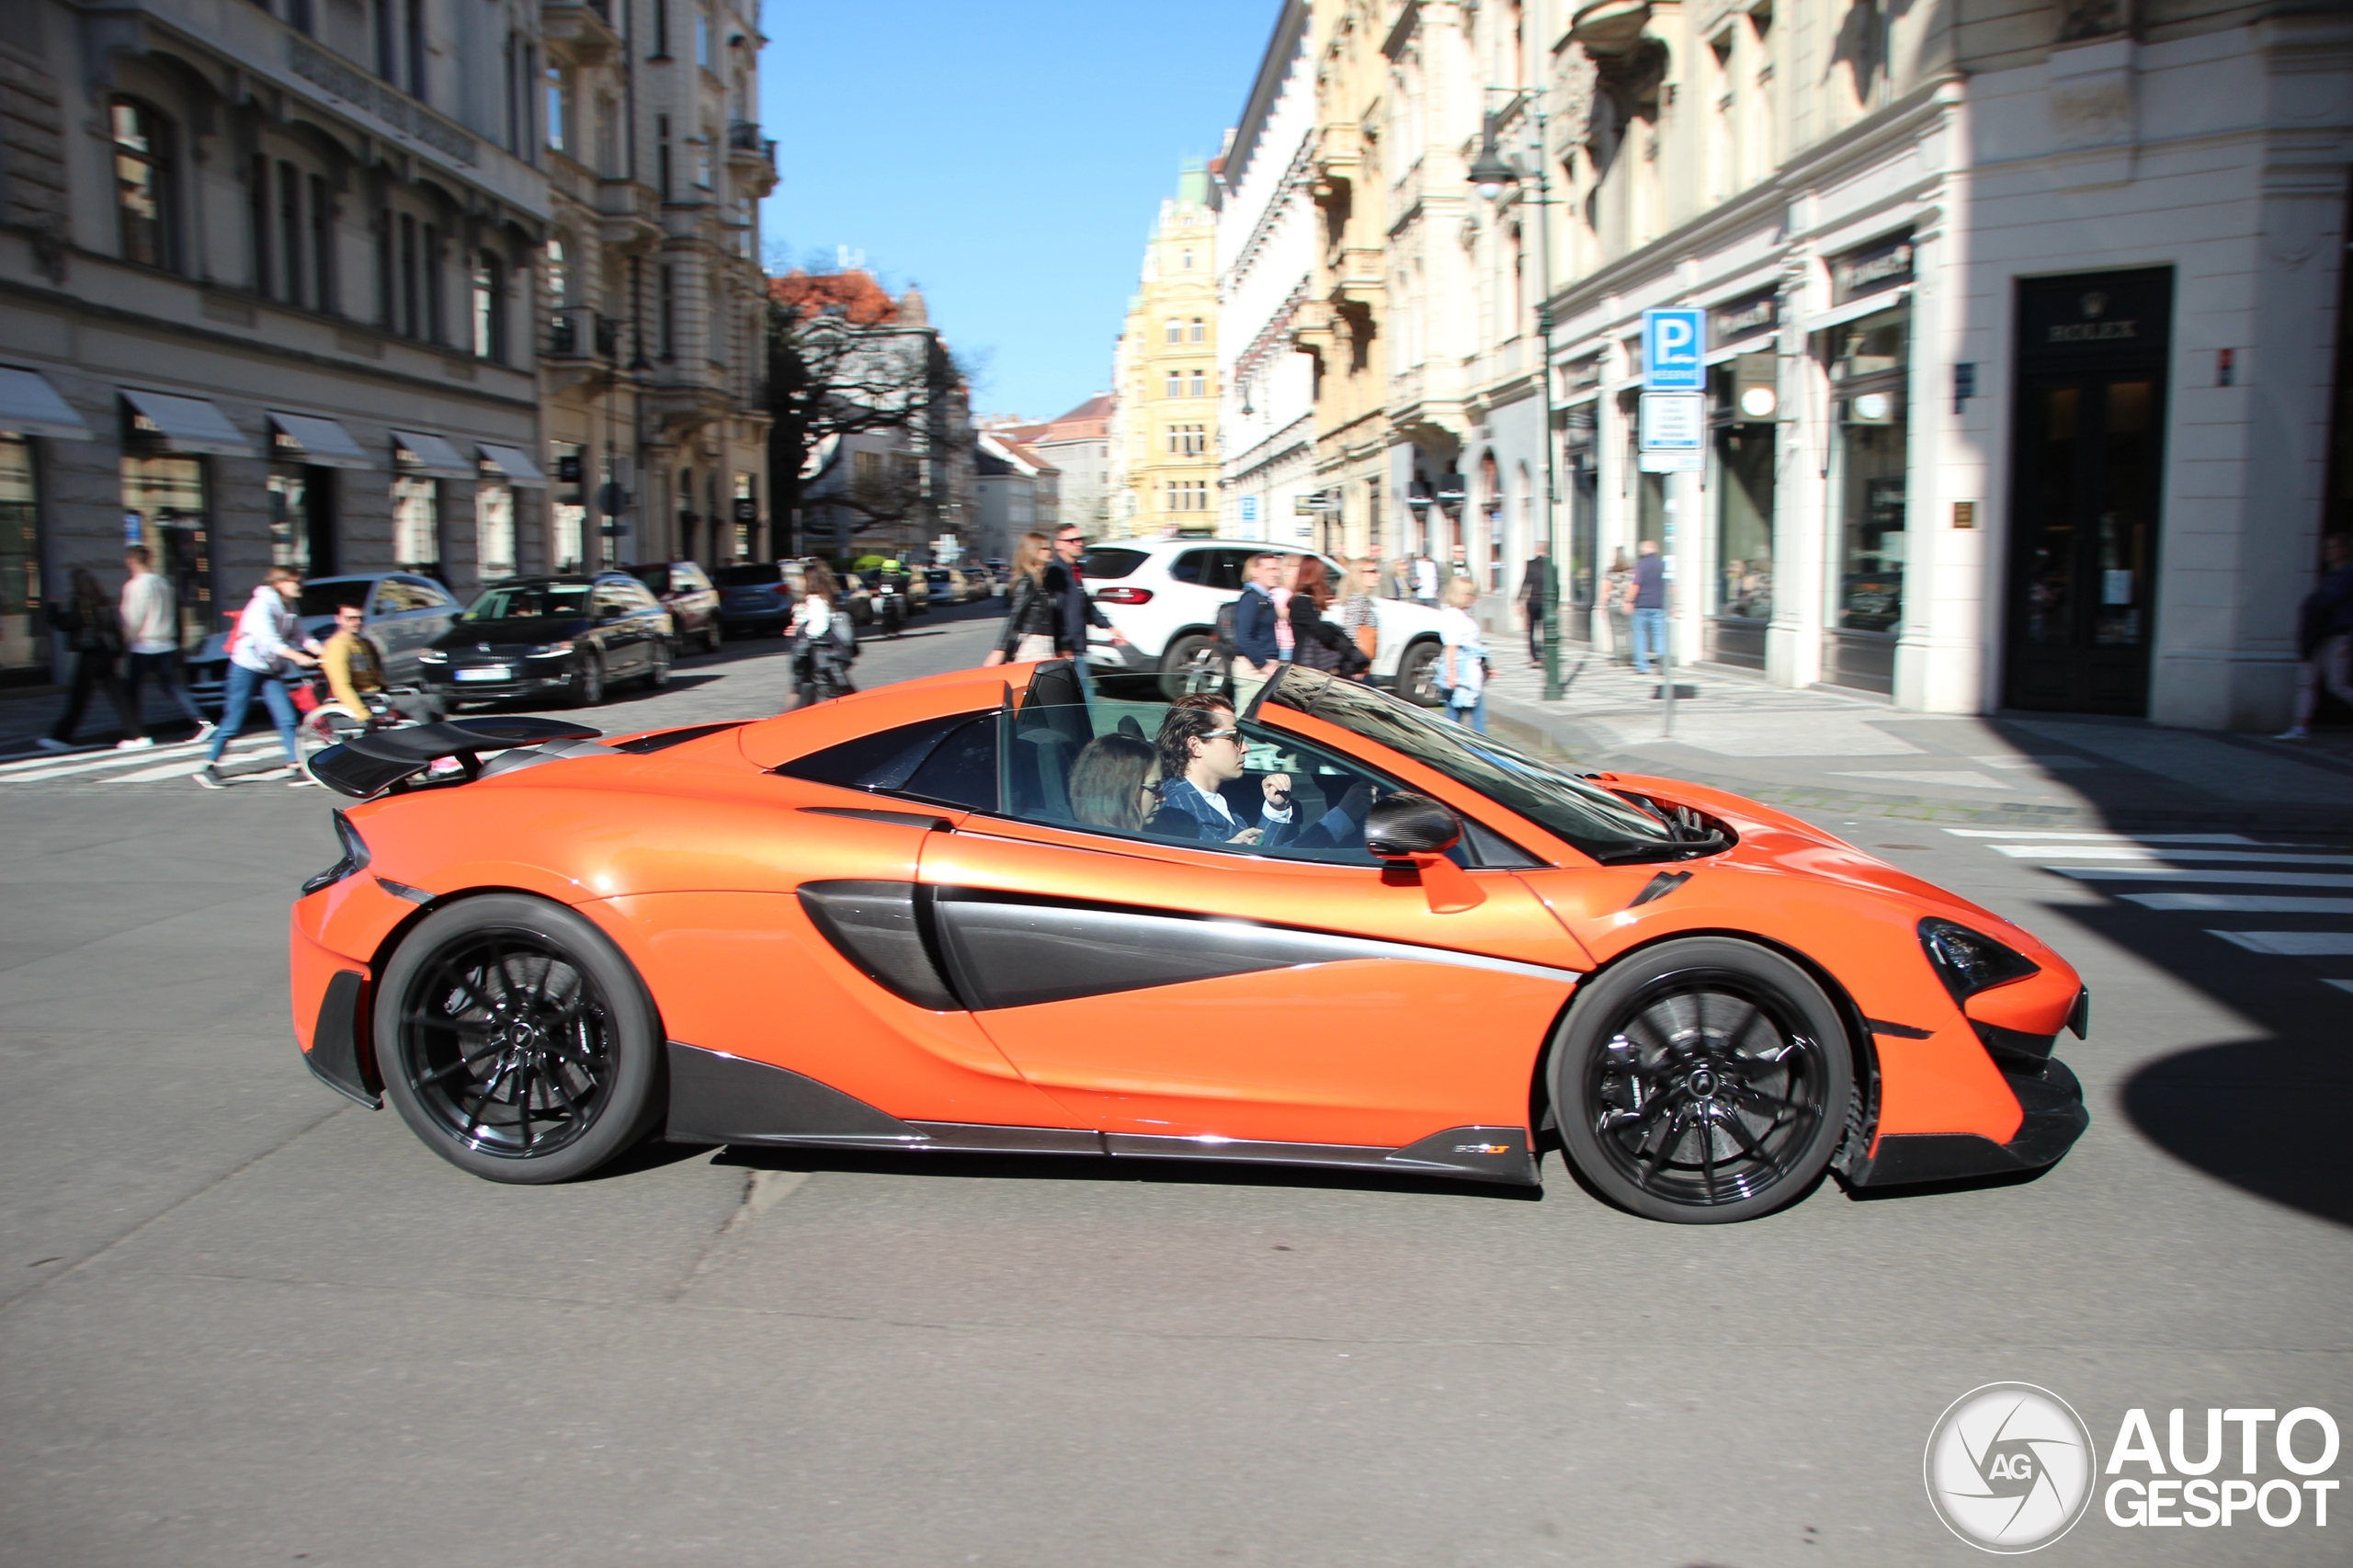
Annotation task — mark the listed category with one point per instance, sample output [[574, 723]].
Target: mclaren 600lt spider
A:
[[1001, 911]]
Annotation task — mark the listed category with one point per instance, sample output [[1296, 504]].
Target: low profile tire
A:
[[517, 1041], [1417, 674], [1702, 1082], [1189, 668], [588, 681]]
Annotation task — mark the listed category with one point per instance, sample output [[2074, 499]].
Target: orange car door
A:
[[1166, 990]]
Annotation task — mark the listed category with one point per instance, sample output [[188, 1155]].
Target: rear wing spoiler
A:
[[371, 764]]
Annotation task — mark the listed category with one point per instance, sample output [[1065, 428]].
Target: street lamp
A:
[[1493, 173]]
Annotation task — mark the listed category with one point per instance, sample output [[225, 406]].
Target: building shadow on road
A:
[[1101, 1168]]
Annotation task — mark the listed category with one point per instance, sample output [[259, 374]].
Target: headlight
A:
[[553, 651], [1970, 962], [354, 861], [433, 657]]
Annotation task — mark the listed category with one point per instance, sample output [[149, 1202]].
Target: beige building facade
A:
[[1165, 430]]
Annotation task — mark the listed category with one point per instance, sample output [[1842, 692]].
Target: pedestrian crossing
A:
[[2205, 875], [149, 765]]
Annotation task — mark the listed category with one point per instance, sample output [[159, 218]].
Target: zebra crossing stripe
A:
[[2134, 852], [2239, 903], [2293, 944], [2056, 834], [2170, 874], [238, 750]]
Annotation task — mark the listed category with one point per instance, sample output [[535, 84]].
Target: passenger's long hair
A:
[[817, 581], [1314, 582], [1106, 782], [1030, 557]]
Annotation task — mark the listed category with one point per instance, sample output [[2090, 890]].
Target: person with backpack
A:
[[824, 640], [267, 652], [93, 630]]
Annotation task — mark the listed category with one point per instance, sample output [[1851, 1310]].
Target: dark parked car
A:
[[754, 600], [568, 636], [405, 612], [691, 599]]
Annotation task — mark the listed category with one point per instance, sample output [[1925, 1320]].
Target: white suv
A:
[[1164, 594]]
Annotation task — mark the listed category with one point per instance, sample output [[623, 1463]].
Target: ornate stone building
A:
[[1165, 435]]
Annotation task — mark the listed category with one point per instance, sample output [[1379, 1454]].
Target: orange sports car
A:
[[1000, 909]]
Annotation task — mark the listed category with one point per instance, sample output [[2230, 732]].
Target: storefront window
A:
[[302, 518], [166, 497], [1867, 376], [24, 653], [495, 531], [417, 525]]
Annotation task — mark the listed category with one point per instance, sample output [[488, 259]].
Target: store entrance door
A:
[[2087, 464]]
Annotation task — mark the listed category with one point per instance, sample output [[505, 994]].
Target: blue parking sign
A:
[[1674, 347]]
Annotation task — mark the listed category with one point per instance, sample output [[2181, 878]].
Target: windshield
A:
[[326, 598], [526, 601], [1599, 822], [765, 575]]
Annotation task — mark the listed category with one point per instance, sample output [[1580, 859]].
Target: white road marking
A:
[[2340, 984], [169, 770], [2293, 944], [238, 750], [1948, 780], [2015, 835], [2240, 902], [2168, 874], [2135, 852]]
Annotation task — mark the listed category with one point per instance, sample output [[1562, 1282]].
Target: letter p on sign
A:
[[1674, 348]]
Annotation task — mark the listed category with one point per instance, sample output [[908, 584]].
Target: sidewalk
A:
[[1833, 751]]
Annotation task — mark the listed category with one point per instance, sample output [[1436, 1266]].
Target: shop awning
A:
[[1761, 342], [30, 406], [188, 424], [1855, 310], [515, 463], [430, 456], [312, 438]]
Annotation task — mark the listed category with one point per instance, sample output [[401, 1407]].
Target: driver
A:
[[1200, 750], [352, 669]]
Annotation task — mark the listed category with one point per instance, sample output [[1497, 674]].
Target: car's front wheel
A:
[[1417, 674], [587, 680], [1189, 667], [1702, 1081], [713, 636], [517, 1041], [657, 667]]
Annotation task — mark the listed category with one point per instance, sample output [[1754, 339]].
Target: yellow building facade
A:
[[1165, 445]]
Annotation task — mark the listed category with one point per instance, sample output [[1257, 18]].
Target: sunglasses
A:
[[1219, 735]]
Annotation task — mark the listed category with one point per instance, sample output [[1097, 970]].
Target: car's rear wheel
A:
[[587, 680], [517, 1041], [1189, 667], [657, 669], [713, 636], [1417, 674], [1702, 1081]]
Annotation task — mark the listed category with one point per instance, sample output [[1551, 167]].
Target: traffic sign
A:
[[1674, 347]]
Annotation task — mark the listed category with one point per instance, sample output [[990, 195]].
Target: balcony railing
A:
[[744, 140], [581, 332]]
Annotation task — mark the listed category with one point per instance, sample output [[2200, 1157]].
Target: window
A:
[[1189, 261], [667, 284], [1176, 330], [429, 257], [257, 220], [290, 230], [703, 160], [559, 276], [23, 642], [416, 523], [948, 761], [416, 53], [702, 39], [1187, 495], [1187, 440], [322, 288], [406, 323], [142, 191], [489, 307], [559, 122], [1197, 329], [1175, 383], [1200, 385]]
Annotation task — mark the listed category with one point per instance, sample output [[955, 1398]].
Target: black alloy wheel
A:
[[1189, 667], [1417, 674], [587, 679], [516, 1042], [1702, 1081]]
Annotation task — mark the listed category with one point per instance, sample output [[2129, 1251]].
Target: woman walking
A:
[[1320, 644], [1028, 608], [265, 651], [1462, 668], [817, 634], [94, 631]]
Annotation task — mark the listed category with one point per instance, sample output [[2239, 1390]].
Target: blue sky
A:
[[1009, 158]]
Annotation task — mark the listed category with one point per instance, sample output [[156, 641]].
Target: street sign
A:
[[1671, 432], [1674, 347], [1250, 509]]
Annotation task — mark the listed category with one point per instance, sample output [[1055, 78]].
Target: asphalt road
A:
[[244, 1321]]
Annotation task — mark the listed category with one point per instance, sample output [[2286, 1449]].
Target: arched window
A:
[[143, 183], [1197, 329], [489, 306]]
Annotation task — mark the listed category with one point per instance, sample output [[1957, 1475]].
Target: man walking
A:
[[151, 629], [1257, 647], [93, 630], [2325, 638], [1535, 592], [1649, 605], [1067, 586]]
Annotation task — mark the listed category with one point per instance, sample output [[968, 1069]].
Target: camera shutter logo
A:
[[2010, 1467]]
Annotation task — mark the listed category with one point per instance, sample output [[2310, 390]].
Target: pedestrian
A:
[[1359, 618], [1258, 648], [150, 626], [1029, 610], [2325, 637], [1318, 642], [1426, 579], [1618, 599], [266, 651], [1535, 592], [1462, 666], [819, 635], [1066, 587], [354, 670], [1648, 603], [92, 628], [1401, 578]]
